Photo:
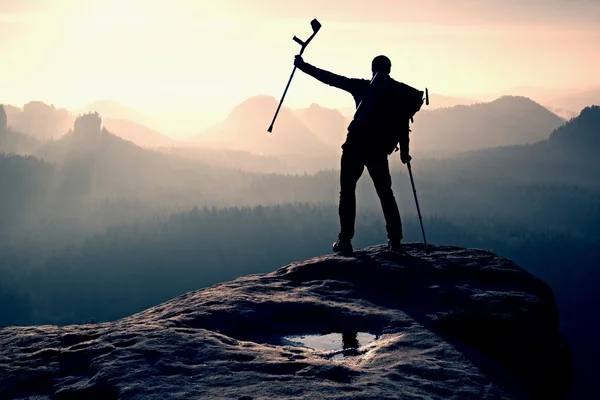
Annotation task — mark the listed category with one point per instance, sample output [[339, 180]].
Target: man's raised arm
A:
[[329, 78]]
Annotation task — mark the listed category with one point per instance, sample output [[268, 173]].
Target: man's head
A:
[[381, 64]]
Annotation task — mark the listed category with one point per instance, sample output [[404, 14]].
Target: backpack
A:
[[385, 112]]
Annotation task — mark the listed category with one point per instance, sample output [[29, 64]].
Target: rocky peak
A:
[[440, 323]]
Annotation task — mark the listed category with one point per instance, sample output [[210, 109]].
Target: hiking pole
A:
[[412, 181], [315, 27]]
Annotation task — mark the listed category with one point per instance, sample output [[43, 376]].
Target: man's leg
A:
[[379, 170], [351, 169]]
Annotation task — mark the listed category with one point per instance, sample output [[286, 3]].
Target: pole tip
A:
[[270, 130]]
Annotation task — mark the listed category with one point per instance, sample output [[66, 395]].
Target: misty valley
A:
[[103, 217]]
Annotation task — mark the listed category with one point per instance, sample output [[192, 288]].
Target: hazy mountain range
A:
[[317, 132], [553, 150], [329, 124], [42, 121], [137, 133], [245, 128], [505, 121], [568, 156], [567, 103], [443, 131], [39, 120]]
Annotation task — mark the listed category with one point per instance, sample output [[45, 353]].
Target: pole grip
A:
[[316, 26]]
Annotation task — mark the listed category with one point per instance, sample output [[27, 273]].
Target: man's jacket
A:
[[380, 123]]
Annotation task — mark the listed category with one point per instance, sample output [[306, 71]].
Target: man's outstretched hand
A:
[[405, 158], [299, 62]]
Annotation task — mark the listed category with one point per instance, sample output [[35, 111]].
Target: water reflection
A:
[[341, 344]]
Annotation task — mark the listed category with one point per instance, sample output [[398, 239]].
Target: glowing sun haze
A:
[[201, 57]]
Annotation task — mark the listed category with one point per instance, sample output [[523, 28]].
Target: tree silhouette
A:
[[3, 119]]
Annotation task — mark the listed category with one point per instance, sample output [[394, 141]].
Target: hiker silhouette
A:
[[378, 126]]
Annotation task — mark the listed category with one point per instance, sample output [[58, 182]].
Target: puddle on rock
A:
[[338, 344]]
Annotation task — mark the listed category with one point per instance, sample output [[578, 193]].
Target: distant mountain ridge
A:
[[568, 156], [42, 121], [137, 133], [329, 124], [318, 131], [508, 120], [567, 103], [245, 128], [39, 120]]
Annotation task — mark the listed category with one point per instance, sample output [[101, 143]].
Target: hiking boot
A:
[[343, 246], [395, 245]]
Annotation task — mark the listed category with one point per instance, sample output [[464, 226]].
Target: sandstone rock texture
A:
[[449, 323]]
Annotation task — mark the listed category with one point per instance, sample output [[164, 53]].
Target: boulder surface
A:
[[441, 323]]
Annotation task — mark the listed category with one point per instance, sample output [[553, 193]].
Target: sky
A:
[[194, 60]]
